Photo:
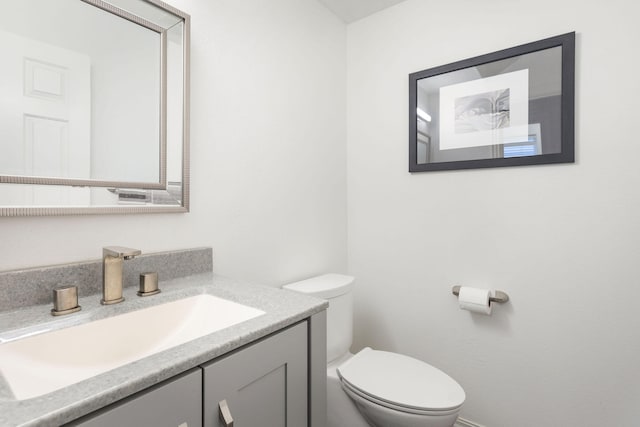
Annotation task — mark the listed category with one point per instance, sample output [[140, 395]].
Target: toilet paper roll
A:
[[475, 300]]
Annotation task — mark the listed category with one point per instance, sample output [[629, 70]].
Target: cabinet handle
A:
[[225, 413]]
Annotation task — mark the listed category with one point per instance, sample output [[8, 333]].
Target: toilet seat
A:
[[357, 394], [401, 383]]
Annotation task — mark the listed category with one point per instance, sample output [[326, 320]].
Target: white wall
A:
[[267, 149], [562, 240]]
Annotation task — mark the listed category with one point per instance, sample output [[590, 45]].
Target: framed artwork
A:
[[507, 108]]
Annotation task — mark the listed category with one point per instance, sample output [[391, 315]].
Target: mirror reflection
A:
[[80, 91], [94, 112]]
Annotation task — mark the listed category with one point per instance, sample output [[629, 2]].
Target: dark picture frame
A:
[[512, 107]]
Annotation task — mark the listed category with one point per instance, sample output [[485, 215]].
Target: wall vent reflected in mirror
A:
[[94, 116], [508, 108]]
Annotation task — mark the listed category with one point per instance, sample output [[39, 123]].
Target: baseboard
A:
[[461, 422]]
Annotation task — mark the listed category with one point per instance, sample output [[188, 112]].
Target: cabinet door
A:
[[264, 384], [174, 403]]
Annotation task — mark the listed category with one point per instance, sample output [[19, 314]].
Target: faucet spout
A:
[[120, 252], [112, 267]]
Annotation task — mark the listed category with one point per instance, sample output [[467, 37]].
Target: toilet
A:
[[376, 388]]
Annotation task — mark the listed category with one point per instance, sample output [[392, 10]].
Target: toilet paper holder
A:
[[498, 296]]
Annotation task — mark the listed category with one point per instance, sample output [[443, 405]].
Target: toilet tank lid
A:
[[325, 286]]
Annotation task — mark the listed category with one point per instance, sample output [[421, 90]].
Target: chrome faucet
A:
[[112, 260]]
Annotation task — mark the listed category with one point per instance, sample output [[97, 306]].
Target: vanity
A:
[[263, 383], [268, 370]]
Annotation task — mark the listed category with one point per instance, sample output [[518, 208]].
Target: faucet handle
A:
[[148, 284], [120, 252], [65, 301]]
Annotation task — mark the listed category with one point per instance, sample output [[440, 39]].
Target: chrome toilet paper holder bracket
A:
[[498, 296]]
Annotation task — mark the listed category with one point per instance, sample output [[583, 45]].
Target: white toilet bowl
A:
[[393, 390], [341, 409], [376, 388]]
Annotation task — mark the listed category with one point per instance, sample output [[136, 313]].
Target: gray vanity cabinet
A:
[[173, 403], [264, 384]]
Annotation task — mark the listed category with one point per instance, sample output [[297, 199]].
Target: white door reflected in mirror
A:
[[92, 73]]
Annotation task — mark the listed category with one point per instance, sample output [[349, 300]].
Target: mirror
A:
[[94, 112], [508, 108]]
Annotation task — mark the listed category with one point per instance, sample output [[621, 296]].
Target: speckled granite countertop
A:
[[282, 308]]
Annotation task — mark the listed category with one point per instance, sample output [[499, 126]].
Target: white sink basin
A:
[[49, 361]]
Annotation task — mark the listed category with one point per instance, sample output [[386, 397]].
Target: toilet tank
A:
[[338, 290]]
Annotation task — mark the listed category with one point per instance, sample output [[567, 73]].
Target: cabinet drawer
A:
[[173, 403]]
